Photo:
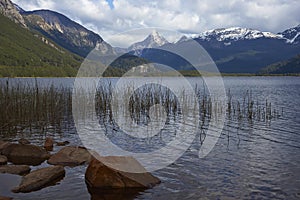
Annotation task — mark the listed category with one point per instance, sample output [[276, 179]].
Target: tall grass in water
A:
[[32, 107]]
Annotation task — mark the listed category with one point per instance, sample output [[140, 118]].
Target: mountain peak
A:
[[156, 38], [155, 33], [153, 40]]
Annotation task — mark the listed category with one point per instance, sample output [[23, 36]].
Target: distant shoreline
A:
[[210, 75]]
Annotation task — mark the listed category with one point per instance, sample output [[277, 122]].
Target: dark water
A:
[[251, 160]]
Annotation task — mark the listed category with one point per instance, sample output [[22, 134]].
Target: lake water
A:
[[251, 160]]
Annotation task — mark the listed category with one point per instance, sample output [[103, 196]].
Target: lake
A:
[[252, 159]]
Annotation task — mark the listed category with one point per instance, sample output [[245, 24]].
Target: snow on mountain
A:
[[235, 34], [152, 41], [292, 35]]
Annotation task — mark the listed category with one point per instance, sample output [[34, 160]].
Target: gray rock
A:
[[15, 169], [70, 156], [25, 154], [8, 9], [40, 178], [3, 160]]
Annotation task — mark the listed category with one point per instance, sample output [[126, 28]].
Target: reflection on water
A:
[[253, 159], [121, 194], [8, 181]]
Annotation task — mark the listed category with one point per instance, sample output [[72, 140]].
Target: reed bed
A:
[[31, 107], [26, 107]]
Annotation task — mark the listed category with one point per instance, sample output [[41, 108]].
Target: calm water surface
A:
[[252, 160]]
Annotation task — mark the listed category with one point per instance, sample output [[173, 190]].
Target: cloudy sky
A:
[[108, 17]]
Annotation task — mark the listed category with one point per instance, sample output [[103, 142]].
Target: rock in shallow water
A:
[[3, 145], [100, 175], [15, 169], [3, 160], [64, 143], [48, 145], [23, 141], [25, 154], [70, 156], [40, 178]]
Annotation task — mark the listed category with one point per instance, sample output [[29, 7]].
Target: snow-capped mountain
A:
[[236, 50], [233, 34], [292, 35], [152, 41]]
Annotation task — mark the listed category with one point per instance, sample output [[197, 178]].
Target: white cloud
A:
[[189, 16]]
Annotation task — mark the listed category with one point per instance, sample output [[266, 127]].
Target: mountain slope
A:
[[65, 32], [291, 66], [25, 50]]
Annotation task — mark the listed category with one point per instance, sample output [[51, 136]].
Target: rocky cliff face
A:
[[56, 27], [65, 32], [8, 9]]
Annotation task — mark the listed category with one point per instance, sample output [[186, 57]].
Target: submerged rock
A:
[[70, 156], [48, 145], [99, 175], [40, 178], [25, 154], [5, 198], [15, 169], [112, 194], [23, 141], [3, 160], [64, 143]]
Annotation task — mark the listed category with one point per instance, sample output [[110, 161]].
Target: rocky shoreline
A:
[[17, 158]]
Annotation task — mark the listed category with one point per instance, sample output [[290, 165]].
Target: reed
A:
[[32, 107]]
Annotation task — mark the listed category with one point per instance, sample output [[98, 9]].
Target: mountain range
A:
[[234, 50], [55, 42]]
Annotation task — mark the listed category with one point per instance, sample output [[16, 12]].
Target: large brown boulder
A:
[[3, 145], [25, 154], [48, 145], [40, 178], [3, 160], [101, 175], [15, 169], [70, 156]]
